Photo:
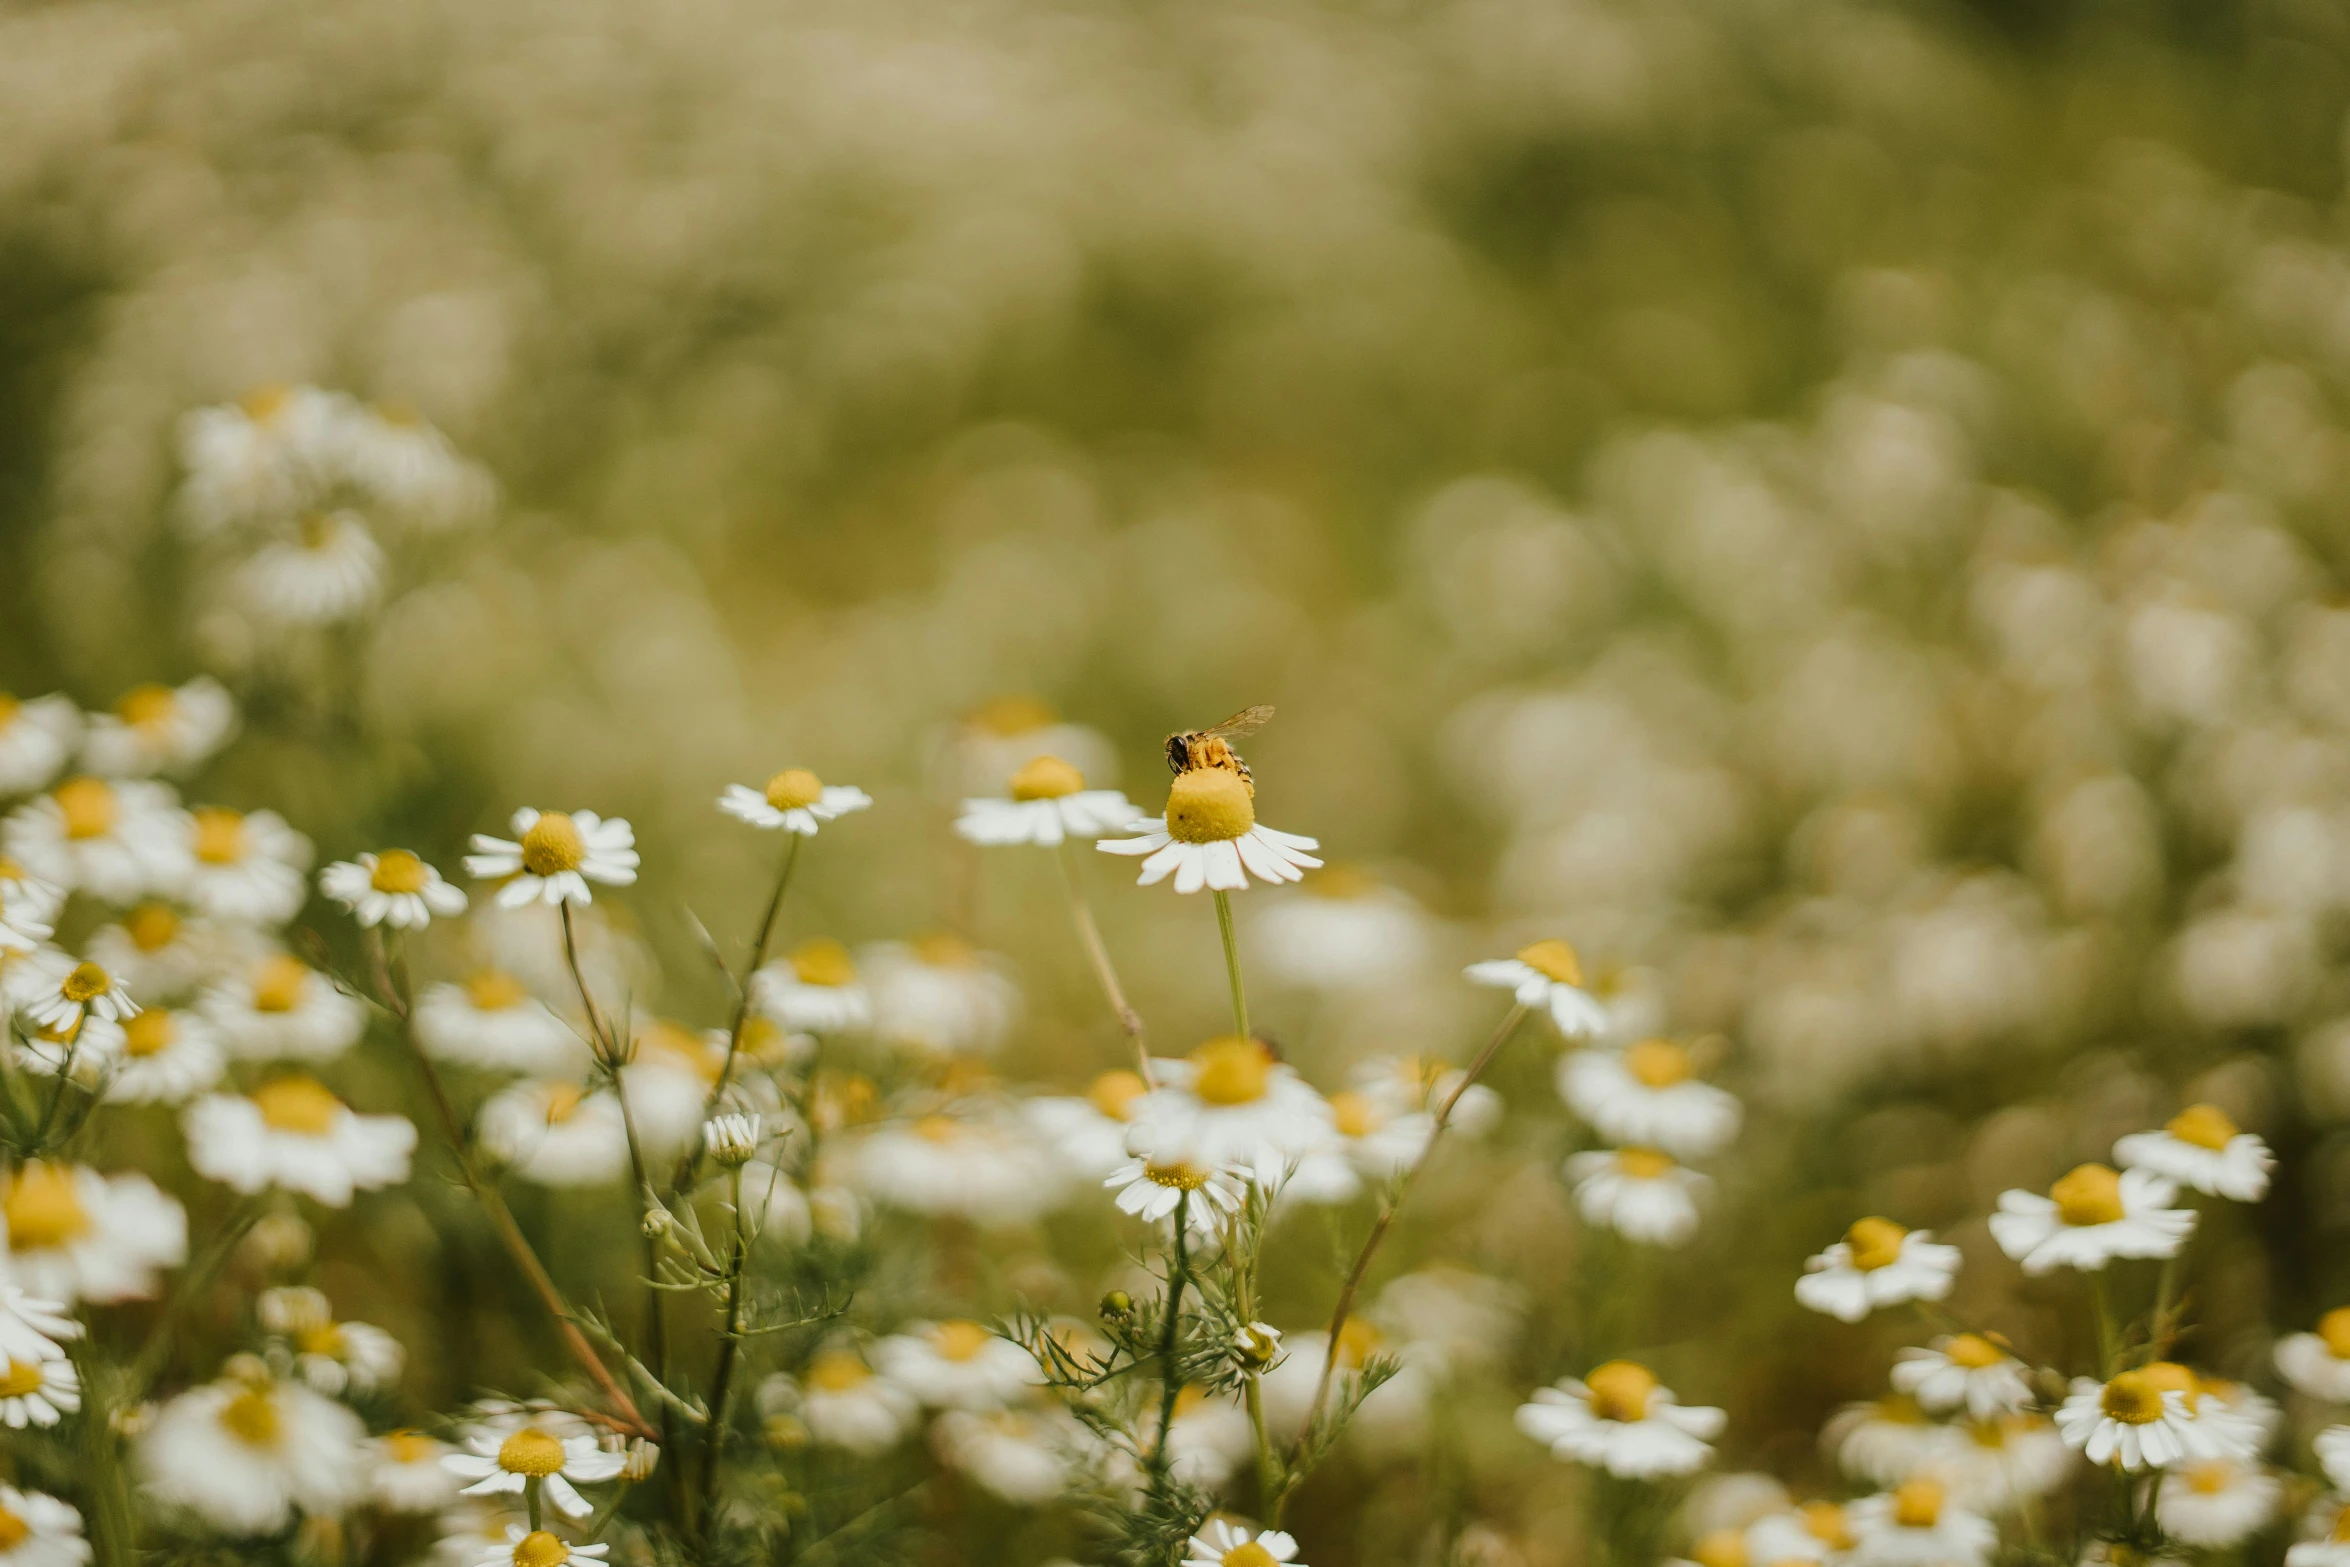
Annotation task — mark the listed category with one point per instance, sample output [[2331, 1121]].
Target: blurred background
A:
[[1835, 507]]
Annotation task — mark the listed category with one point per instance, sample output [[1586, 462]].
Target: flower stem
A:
[[689, 1163], [1170, 1384], [1232, 964], [530, 1499], [722, 1381], [1089, 936]]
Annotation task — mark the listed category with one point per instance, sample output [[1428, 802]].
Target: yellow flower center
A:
[[265, 402], [410, 1447], [21, 1377], [1620, 1390], [1012, 715], [1659, 1063], [945, 949], [251, 1418], [1643, 1164], [540, 1549], [42, 1209], [1342, 883], [553, 845], [1554, 960], [1824, 1522], [837, 1371], [679, 1046], [1209, 805], [1046, 778], [2132, 1398], [938, 1129], [1973, 1351], [2209, 1478], [1178, 1176], [397, 871], [325, 1338], [297, 1104], [1358, 1341], [145, 707], [823, 962], [85, 984], [220, 835], [532, 1453], [1917, 1504], [1114, 1093], [1720, 1548], [1356, 1115], [845, 1099], [1248, 1554], [1189, 1399], [14, 1531], [563, 1102], [1875, 1243], [279, 981], [89, 806], [2206, 1126], [492, 990], [2092, 1194], [1230, 1070], [794, 788], [148, 1034], [959, 1340], [151, 926], [318, 530], [2168, 1376], [2334, 1329], [9, 708], [2340, 1534]]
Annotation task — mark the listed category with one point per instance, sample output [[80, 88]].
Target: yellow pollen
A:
[[41, 1207], [1046, 778], [1554, 960], [2092, 1194], [959, 1340], [1230, 1070], [837, 1371], [278, 982], [1209, 805], [1917, 1504], [1643, 1164], [86, 983], [251, 1418], [89, 806], [2209, 1479], [148, 1034], [540, 1549], [2334, 1330], [151, 926], [1358, 1341], [1013, 715], [1114, 1093], [492, 990], [13, 1531], [1720, 1548], [553, 845], [945, 949], [1659, 1063], [2206, 1126], [398, 871], [410, 1447], [2132, 1398], [1248, 1554], [823, 962], [1620, 1391], [532, 1453], [2169, 1376], [1875, 1243], [220, 835], [1175, 1177], [265, 402], [2340, 1534], [1824, 1522], [297, 1104], [9, 707], [1973, 1351], [563, 1102], [21, 1377], [324, 1338], [1356, 1115], [794, 789], [938, 1129], [144, 707]]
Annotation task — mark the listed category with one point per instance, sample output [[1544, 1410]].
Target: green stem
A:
[[1232, 964], [530, 1499], [722, 1381], [1268, 1469], [2108, 1344], [1097, 953], [1171, 1385], [689, 1163]]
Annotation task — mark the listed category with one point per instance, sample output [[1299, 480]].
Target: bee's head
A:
[[1178, 752]]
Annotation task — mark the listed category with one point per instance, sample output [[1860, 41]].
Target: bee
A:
[[1210, 747]]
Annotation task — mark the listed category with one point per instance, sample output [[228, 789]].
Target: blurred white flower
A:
[[2200, 1147], [36, 739], [156, 950], [1887, 1440], [813, 989], [157, 729], [1341, 931], [292, 1132], [1089, 1130], [1918, 1525], [1622, 1420], [167, 1057], [75, 1235], [1547, 974], [114, 841], [2319, 1363], [260, 457], [393, 888], [279, 1008], [1228, 1103], [1401, 1085], [984, 1168], [2325, 1535], [42, 1531], [939, 994], [1027, 1455], [2001, 1462], [407, 1476], [32, 1328], [2214, 1503], [1209, 837], [330, 571], [1963, 1371], [844, 1403], [412, 469], [84, 991], [1642, 1194], [491, 1020], [794, 800], [1878, 1263], [245, 868], [1372, 1145], [38, 1392], [2091, 1217], [556, 1133], [331, 1357], [1049, 804], [1649, 1094], [957, 1364], [554, 856], [245, 1453]]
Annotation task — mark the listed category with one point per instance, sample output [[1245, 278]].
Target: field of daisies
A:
[[1039, 783]]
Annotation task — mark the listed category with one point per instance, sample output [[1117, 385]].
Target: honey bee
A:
[[1210, 747]]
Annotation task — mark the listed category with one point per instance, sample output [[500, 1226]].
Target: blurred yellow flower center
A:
[[1659, 1063], [845, 1099], [1209, 805], [1973, 1351], [9, 707], [1012, 715], [1358, 1341], [251, 1418], [1620, 1390], [263, 403], [20, 1378], [144, 707], [220, 835], [1720, 1548], [297, 1104], [148, 1034], [938, 1129], [823, 962], [2334, 1329], [492, 990], [1189, 1399], [151, 927], [553, 845], [958, 1340], [795, 788], [1824, 1521], [1046, 778], [1356, 1116], [2092, 1194], [2206, 1126], [325, 1338], [1231, 1071], [397, 871], [42, 1209], [86, 983], [2168, 1376], [318, 530], [1875, 1243], [89, 806], [1114, 1093], [1248, 1554], [540, 1549], [1342, 883], [837, 1371], [14, 1531], [1554, 960], [563, 1102], [411, 1447], [2132, 1398], [278, 982], [2209, 1479], [1900, 1409], [532, 1453], [1917, 1504], [1178, 1176], [1643, 1164], [945, 949], [2340, 1534]]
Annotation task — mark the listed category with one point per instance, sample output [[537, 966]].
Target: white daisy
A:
[[957, 1365], [291, 1132], [155, 729], [1964, 1371], [1640, 1193], [2325, 1540], [1817, 1531], [37, 1393], [668, 1082], [393, 888], [116, 841], [795, 800], [2091, 1217], [1549, 975], [553, 857], [32, 1328], [413, 469], [1888, 1440], [1027, 1456], [539, 1548], [73, 1234], [157, 951], [556, 1133], [1650, 1095], [2333, 1454], [1401, 1085], [1089, 1130], [843, 1403], [261, 456], [993, 741], [279, 1008], [2132, 1421], [1621, 1420], [246, 868], [1341, 931], [1224, 1544], [167, 1057], [28, 908], [984, 1168], [330, 570], [2201, 1148], [2319, 1363], [84, 991], [2216, 1502], [1392, 1416], [1999, 1463], [88, 1047], [939, 994], [502, 1460], [244, 1453], [1049, 805], [1152, 1192], [492, 1020], [36, 739], [1918, 1525], [1373, 1145], [1229, 1103], [813, 989], [1209, 1438], [408, 1476], [1209, 837], [39, 1531], [1878, 1263], [2224, 1420], [731, 1139], [331, 1357]]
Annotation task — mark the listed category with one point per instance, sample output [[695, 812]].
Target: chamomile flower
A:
[[1622, 1420], [984, 1168], [2091, 1217], [244, 1454], [957, 1365], [1229, 1103], [1642, 1194], [1887, 1440], [330, 570], [1548, 975], [2319, 1363], [553, 856], [795, 800], [1089, 1130], [246, 868], [539, 1548], [1049, 805], [2001, 1462], [1026, 1455], [1401, 1085], [2214, 1503], [490, 1019], [555, 1132], [1917, 1524], [940, 995], [2325, 1535], [1209, 837], [37, 1393], [1817, 1531], [1878, 1263], [2333, 1454], [407, 1475], [40, 1531], [2201, 1148], [28, 908], [32, 1328], [88, 1048], [292, 1132], [669, 1079], [116, 841], [2132, 1421], [1153, 1191], [1649, 1095], [279, 1008], [413, 469], [844, 1403], [1372, 1145], [1341, 931], [1004, 734], [167, 1057], [76, 1235], [331, 1357], [1221, 1543], [158, 951], [37, 737], [156, 729], [1390, 1415], [814, 990], [259, 457], [1963, 1371], [393, 888], [84, 991], [502, 1459]]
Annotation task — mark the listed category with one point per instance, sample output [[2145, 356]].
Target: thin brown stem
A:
[[1097, 953], [689, 1163]]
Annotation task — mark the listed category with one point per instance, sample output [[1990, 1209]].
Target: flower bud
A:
[[1257, 1346], [1117, 1306], [731, 1139]]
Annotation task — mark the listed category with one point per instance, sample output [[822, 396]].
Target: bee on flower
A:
[[115, 840], [1049, 805], [2202, 1149], [157, 729], [393, 888], [1547, 975], [1878, 1263], [292, 1132], [794, 801], [1969, 1371], [957, 1364], [37, 739], [1209, 836], [2091, 1217], [1622, 1420], [813, 989], [1643, 1194], [1649, 1094], [503, 1457], [553, 856], [247, 1453]]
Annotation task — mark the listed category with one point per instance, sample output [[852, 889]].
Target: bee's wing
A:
[[1245, 722]]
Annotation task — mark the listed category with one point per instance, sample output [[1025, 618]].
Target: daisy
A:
[[1878, 1263], [1621, 1420], [291, 1132], [2091, 1217], [260, 456], [1223, 1544], [244, 1453], [1089, 1130], [1640, 1193], [1393, 1414], [957, 1365], [73, 1234], [982, 1168], [813, 989], [2319, 1363], [28, 908], [1152, 1192], [155, 729], [2004, 1461], [556, 1133], [1027, 1456], [553, 857], [32, 1328], [167, 1057], [2200, 1147], [1373, 1145], [1814, 1532], [331, 1357], [37, 1392], [1887, 1440], [330, 571], [1209, 837], [1964, 1371], [491, 1020], [731, 1140], [84, 991], [1650, 1095], [1547, 974], [279, 1008], [1403, 1084], [408, 1476], [940, 995], [2333, 1454], [1049, 805], [2218, 1427], [415, 470], [1918, 1525], [36, 738], [1341, 931], [1208, 1440], [502, 1459], [2216, 1502], [2325, 1538], [1229, 1102], [2132, 1422], [88, 1047], [116, 841], [1005, 733], [843, 1403], [155, 950], [538, 1548], [668, 1082], [40, 1531], [795, 800], [393, 888], [244, 868]]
